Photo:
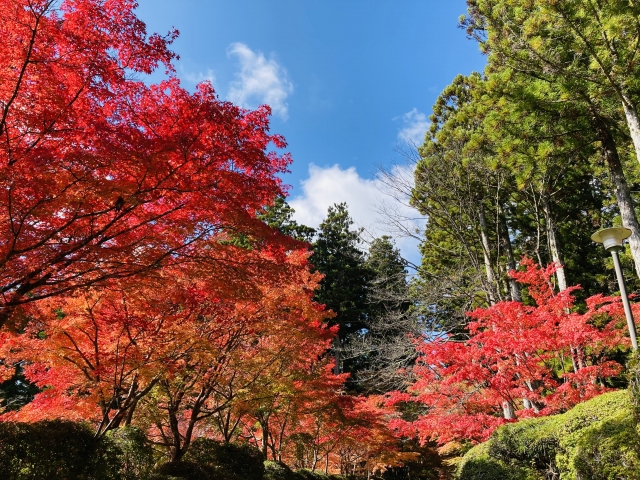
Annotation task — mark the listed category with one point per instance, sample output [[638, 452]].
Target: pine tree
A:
[[280, 216], [345, 285], [386, 351]]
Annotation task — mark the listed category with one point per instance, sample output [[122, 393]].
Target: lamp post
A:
[[611, 239]]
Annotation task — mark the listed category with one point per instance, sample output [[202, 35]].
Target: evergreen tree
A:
[[344, 289], [280, 216], [385, 351]]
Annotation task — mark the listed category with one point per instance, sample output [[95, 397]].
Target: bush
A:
[[229, 461], [578, 422], [607, 450], [55, 449], [477, 464], [184, 470], [596, 440], [304, 474], [277, 471], [135, 455], [633, 375], [530, 443]]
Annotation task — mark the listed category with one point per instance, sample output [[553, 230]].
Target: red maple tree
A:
[[516, 361], [101, 175]]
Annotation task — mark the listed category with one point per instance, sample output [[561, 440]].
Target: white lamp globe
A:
[[611, 238]]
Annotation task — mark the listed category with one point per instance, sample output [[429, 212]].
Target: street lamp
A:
[[611, 239]]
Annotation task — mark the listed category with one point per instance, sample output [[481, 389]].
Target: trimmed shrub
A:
[[277, 471], [606, 450], [304, 474], [135, 455], [596, 440], [477, 464], [229, 461], [55, 449], [633, 375], [530, 443], [184, 470], [572, 425]]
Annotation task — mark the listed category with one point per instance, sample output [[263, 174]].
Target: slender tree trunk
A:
[[552, 238], [265, 438], [508, 410], [488, 267], [336, 355], [511, 262], [550, 226], [621, 190], [633, 122]]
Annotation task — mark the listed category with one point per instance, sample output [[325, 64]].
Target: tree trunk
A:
[[265, 438], [621, 190], [336, 354], [488, 267], [633, 123], [508, 410], [550, 226], [511, 262]]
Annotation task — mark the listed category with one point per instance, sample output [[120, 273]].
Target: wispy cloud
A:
[[369, 203], [414, 125], [198, 77], [259, 81]]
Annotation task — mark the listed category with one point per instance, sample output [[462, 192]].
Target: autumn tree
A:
[[104, 176], [516, 362], [173, 355]]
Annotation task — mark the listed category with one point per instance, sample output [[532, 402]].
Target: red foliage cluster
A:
[[138, 285], [516, 361], [103, 176]]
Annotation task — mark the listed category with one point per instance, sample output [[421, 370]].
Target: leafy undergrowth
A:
[[596, 440]]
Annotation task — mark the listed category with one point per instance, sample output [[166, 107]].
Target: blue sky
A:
[[349, 81]]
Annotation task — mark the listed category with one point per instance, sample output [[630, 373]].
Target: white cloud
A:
[[367, 200], [414, 126], [199, 77], [259, 81]]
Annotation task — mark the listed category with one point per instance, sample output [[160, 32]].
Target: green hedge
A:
[[228, 461], [596, 440], [277, 471], [185, 470], [133, 452], [477, 464], [55, 450]]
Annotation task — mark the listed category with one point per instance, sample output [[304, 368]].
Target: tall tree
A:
[[337, 255], [588, 51], [385, 351], [461, 194], [549, 147], [595, 43], [280, 216]]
